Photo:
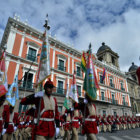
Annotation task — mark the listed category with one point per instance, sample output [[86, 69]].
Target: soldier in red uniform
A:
[[133, 122], [129, 122], [8, 115], [75, 124], [110, 123], [49, 114], [118, 123], [67, 124], [16, 122], [100, 123], [28, 124], [2, 99], [121, 124], [138, 123], [88, 110], [124, 123], [20, 125], [105, 123], [61, 126]]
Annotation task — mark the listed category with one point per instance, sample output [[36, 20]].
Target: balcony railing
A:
[[58, 90], [78, 74], [31, 57], [26, 85], [122, 88], [62, 68], [104, 99], [125, 103], [101, 81], [115, 102], [112, 85]]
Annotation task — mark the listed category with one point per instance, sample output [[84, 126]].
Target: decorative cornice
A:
[[64, 47], [108, 50], [21, 59], [109, 68], [111, 88], [33, 44], [61, 56], [77, 63]]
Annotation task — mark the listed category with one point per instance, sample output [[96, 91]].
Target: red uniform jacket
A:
[[45, 128], [109, 120], [6, 117], [67, 120], [88, 126], [16, 119], [75, 119], [1, 118]]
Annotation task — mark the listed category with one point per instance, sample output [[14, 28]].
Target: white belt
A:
[[11, 123], [35, 120], [21, 123], [65, 123], [1, 119], [74, 120], [88, 119], [47, 119]]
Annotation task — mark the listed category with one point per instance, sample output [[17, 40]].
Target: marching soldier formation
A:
[[79, 119]]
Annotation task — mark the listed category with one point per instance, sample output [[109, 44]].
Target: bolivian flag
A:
[[83, 62]]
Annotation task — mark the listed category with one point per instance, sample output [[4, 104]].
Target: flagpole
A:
[[47, 28], [86, 80]]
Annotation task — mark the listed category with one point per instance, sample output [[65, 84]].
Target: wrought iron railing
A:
[[122, 88], [26, 85], [125, 103], [101, 81], [112, 85], [31, 57], [62, 68], [104, 99], [78, 74], [115, 102]]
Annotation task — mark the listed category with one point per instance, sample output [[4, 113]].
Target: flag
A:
[[44, 65], [3, 76], [12, 94], [83, 62], [73, 91], [90, 81], [66, 101], [103, 77], [138, 74]]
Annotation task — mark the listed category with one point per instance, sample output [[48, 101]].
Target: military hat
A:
[[49, 84]]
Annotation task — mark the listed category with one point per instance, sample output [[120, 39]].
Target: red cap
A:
[[49, 84]]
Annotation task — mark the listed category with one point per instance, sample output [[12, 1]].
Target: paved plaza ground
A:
[[132, 134]]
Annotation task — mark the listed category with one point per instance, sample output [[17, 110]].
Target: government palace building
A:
[[119, 93]]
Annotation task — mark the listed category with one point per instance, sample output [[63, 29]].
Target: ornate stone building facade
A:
[[133, 88], [22, 58], [113, 93]]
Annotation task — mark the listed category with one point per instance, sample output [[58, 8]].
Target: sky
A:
[[79, 22]]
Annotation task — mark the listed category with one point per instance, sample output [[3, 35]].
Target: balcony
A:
[[122, 88], [59, 91], [104, 99], [26, 85], [112, 85], [78, 74], [61, 68], [125, 103], [101, 81], [31, 57], [114, 102]]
